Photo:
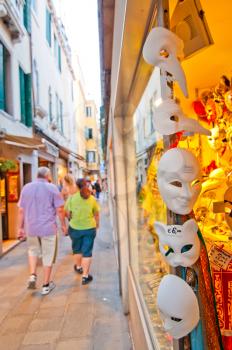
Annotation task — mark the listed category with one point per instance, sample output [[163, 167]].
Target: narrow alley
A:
[[72, 316]]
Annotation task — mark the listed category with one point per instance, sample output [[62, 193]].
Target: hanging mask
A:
[[178, 180], [179, 244], [169, 119], [163, 48], [178, 306]]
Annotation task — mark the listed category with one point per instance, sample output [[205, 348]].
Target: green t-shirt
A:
[[82, 211]]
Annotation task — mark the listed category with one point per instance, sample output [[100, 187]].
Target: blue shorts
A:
[[82, 241]]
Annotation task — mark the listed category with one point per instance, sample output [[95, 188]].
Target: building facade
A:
[[91, 138], [133, 90], [42, 104]]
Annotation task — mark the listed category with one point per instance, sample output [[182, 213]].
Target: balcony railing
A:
[[10, 14]]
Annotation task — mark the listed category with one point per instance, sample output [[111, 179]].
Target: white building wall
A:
[[19, 56], [50, 76]]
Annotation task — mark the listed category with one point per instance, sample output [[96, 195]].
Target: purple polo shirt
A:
[[39, 199]]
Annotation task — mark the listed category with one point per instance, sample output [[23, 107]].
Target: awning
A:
[[34, 142]]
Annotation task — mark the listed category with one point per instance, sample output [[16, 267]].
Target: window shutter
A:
[[2, 77], [86, 133], [28, 102], [48, 27], [27, 15], [22, 96]]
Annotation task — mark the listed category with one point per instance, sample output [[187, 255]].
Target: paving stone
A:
[[52, 300], [49, 324], [34, 338], [15, 324], [38, 347], [9, 342], [78, 321], [72, 344], [46, 312]]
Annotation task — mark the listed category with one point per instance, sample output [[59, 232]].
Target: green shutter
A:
[[2, 77], [48, 27], [28, 103], [22, 96], [27, 15], [59, 58]]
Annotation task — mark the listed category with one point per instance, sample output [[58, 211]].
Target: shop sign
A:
[[51, 149]]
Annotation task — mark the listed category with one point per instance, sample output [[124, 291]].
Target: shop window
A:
[[91, 157], [25, 98], [5, 79], [88, 111], [146, 261], [48, 27]]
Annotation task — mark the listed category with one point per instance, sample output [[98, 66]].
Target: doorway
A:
[[3, 207], [26, 173]]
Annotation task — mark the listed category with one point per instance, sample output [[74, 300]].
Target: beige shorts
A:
[[45, 247]]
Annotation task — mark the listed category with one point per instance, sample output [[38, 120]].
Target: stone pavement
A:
[[72, 316]]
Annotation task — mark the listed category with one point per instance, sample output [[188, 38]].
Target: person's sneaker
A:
[[86, 280], [78, 269], [31, 284], [48, 289]]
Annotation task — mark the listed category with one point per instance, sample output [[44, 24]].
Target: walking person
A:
[[83, 210], [69, 186], [97, 187], [39, 204]]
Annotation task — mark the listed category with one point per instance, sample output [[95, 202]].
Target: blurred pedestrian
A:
[[97, 188], [39, 204], [69, 186], [83, 209]]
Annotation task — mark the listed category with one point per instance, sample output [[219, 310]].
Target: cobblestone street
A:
[[72, 316]]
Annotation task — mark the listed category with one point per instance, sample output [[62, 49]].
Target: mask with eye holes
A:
[[179, 244], [163, 49], [178, 179], [169, 119], [178, 306]]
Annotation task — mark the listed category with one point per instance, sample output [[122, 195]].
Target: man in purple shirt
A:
[[39, 204]]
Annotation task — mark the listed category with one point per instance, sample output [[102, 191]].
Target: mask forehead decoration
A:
[[178, 306], [170, 119], [179, 244], [178, 180], [163, 49]]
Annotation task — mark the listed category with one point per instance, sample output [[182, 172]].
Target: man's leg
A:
[[49, 251], [32, 264], [47, 274], [34, 251]]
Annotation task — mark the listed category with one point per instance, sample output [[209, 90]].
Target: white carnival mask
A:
[[178, 306], [169, 119], [178, 180], [163, 48], [179, 244]]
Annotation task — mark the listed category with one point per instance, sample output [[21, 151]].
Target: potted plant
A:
[[6, 165]]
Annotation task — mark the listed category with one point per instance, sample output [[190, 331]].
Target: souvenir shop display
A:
[[178, 180], [179, 244], [164, 49], [170, 119], [178, 306]]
